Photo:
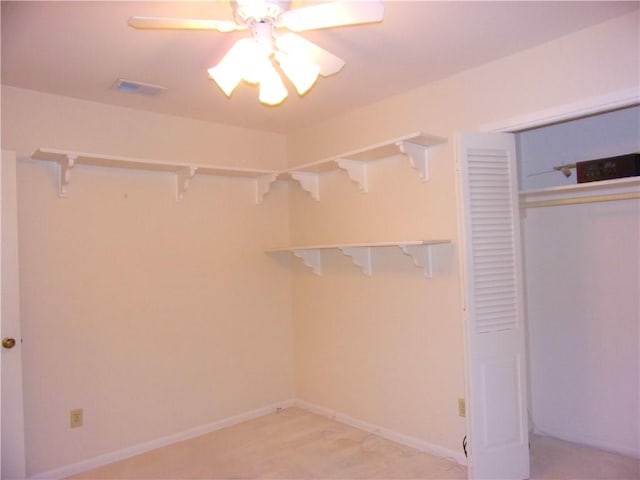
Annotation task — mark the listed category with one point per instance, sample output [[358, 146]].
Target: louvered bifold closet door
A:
[[493, 306], [492, 237]]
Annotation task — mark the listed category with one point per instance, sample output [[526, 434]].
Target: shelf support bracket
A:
[[183, 179], [418, 157], [357, 172], [421, 255], [311, 258], [361, 257], [66, 164], [263, 185], [309, 181]]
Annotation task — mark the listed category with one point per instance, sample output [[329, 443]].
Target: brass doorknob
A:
[[8, 343]]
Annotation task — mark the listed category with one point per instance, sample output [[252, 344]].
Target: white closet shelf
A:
[[183, 171], [360, 253], [603, 191], [415, 146]]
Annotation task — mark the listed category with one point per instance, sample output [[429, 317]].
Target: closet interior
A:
[[582, 278]]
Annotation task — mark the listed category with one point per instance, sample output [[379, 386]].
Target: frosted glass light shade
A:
[[228, 73], [227, 76], [272, 90], [254, 67], [302, 74], [250, 59]]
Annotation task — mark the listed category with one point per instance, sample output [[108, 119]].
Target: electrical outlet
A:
[[462, 408], [75, 418]]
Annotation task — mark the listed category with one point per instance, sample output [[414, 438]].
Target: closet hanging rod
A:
[[578, 200]]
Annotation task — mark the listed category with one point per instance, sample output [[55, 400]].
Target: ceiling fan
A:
[[273, 25]]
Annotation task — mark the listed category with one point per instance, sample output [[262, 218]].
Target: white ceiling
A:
[[80, 48]]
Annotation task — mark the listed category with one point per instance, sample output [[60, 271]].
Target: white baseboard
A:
[[125, 453], [401, 438], [118, 455]]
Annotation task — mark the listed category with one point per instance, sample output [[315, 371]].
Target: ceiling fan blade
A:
[[183, 24], [298, 47], [332, 14]]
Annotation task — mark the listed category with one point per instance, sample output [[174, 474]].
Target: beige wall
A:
[[153, 316], [158, 316], [89, 127], [384, 349], [388, 349]]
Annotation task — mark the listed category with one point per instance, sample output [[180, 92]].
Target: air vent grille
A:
[[131, 86]]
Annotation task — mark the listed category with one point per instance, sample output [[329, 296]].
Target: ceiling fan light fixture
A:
[[254, 69], [272, 90], [302, 74], [230, 70], [256, 52], [227, 77], [253, 59]]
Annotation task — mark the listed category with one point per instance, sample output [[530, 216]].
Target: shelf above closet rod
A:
[[592, 192]]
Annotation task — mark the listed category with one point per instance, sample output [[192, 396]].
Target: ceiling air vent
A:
[[140, 88]]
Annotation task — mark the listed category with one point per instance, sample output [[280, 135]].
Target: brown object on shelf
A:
[[608, 168]]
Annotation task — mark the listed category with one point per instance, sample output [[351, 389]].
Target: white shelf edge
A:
[[414, 145], [606, 190], [360, 244], [361, 253], [184, 172]]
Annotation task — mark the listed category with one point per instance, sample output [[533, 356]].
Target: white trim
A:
[[569, 111], [383, 432], [107, 458], [125, 453]]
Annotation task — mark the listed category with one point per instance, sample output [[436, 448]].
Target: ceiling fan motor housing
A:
[[248, 12]]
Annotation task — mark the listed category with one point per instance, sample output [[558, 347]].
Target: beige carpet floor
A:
[[553, 459], [297, 444]]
